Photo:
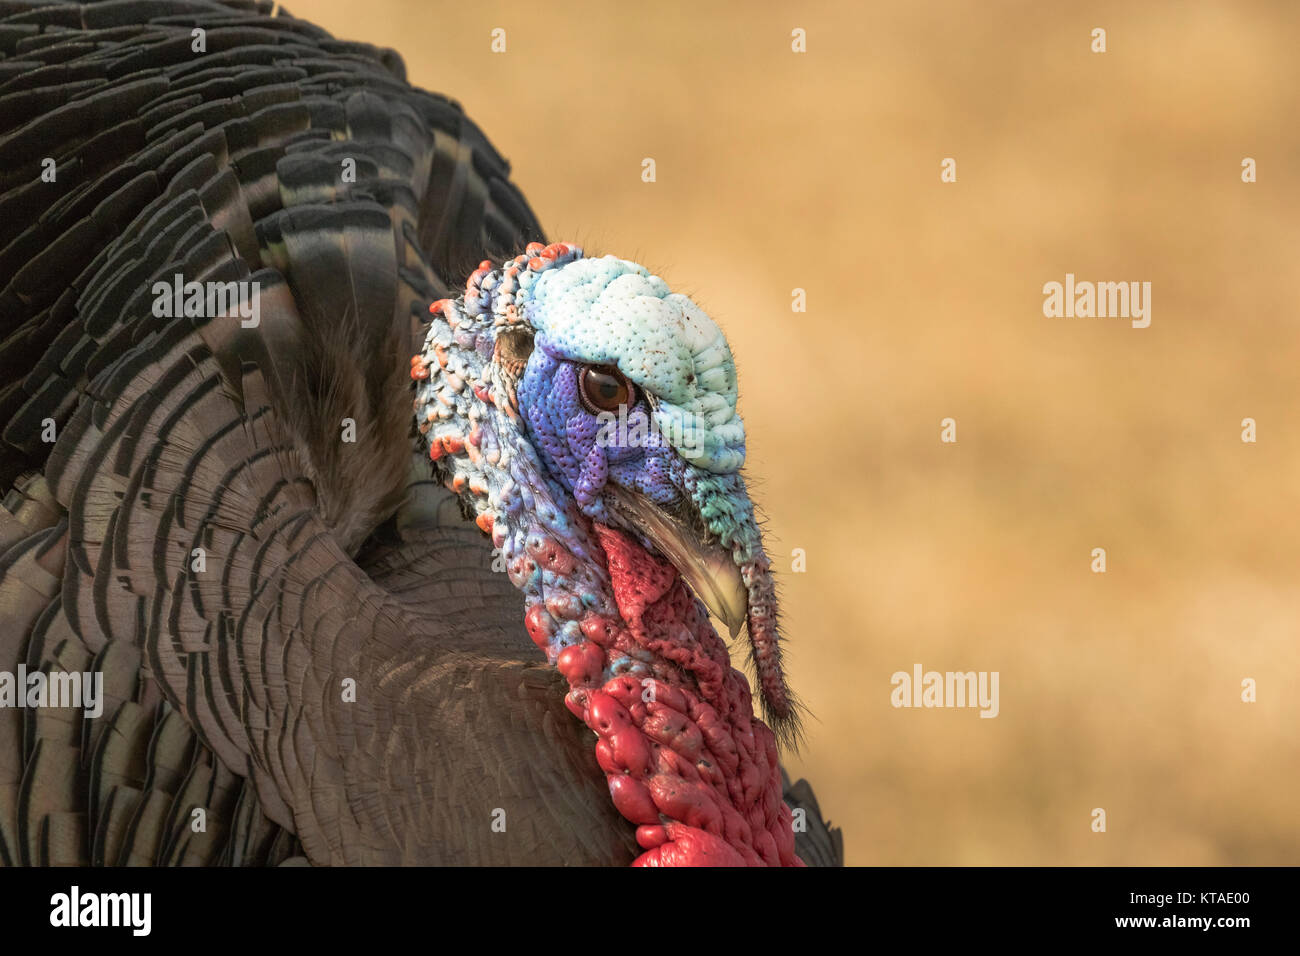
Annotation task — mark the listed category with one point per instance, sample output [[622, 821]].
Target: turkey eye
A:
[[604, 389]]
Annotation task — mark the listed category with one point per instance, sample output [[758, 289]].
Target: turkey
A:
[[346, 520]]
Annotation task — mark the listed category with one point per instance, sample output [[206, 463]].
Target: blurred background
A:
[[779, 170]]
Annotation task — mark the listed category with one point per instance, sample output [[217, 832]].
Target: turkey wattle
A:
[[230, 514]]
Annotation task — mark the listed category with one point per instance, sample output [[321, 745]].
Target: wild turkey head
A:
[[587, 416]]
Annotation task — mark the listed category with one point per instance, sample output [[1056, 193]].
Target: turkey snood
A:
[[587, 417]]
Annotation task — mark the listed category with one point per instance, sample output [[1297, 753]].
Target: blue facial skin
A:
[[583, 450]]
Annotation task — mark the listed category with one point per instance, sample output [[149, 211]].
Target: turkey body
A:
[[304, 649]]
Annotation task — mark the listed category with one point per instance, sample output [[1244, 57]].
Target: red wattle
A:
[[688, 846], [685, 757]]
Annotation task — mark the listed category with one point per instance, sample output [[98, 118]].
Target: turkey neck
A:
[[687, 762]]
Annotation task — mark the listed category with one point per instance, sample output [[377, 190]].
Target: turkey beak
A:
[[706, 566]]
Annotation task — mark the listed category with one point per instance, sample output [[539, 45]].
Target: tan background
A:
[[821, 171]]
